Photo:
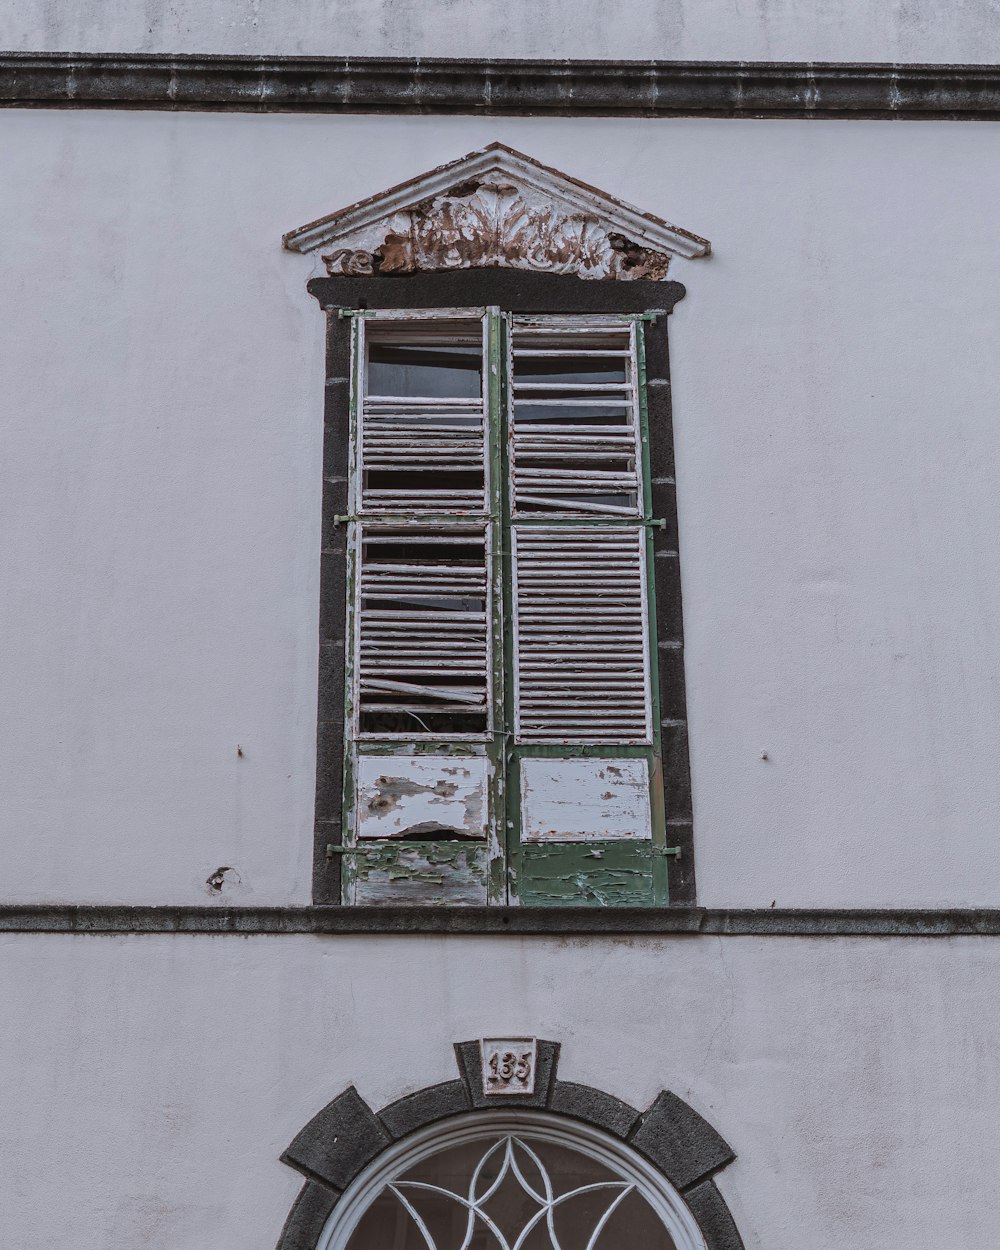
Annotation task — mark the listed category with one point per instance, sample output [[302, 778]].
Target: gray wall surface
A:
[[857, 1081], [848, 30], [835, 381]]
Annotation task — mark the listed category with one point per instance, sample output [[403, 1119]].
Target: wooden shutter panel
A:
[[574, 419], [583, 708], [433, 768], [419, 778], [422, 456], [423, 645], [581, 641], [422, 453]]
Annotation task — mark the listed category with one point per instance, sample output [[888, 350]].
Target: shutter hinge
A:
[[332, 850], [667, 851]]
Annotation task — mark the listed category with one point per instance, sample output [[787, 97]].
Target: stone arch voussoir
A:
[[343, 1138]]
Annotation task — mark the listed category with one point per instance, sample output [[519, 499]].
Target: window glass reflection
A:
[[405, 364]]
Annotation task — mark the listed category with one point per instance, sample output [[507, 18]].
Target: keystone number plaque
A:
[[508, 1065]]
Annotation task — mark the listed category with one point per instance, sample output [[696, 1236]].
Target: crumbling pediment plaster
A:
[[496, 208]]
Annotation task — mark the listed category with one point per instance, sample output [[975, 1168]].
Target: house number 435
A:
[[508, 1065]]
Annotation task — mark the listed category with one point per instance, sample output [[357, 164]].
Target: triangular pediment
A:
[[496, 208]]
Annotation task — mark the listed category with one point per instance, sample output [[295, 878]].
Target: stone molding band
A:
[[500, 87], [347, 1135], [685, 922]]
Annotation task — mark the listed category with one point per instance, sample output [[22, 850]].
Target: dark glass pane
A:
[[567, 412], [410, 370], [633, 1223], [567, 369]]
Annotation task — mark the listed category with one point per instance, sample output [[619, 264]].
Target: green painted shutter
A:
[[583, 774], [502, 728]]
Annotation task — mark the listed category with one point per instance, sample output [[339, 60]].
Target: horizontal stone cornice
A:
[[687, 922], [500, 87]]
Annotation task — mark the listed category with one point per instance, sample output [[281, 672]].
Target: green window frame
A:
[[509, 790]]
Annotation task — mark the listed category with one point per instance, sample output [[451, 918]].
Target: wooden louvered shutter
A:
[[582, 673], [584, 771], [502, 737], [420, 760]]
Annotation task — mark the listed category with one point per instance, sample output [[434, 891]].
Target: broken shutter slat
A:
[[574, 418], [423, 634], [422, 420]]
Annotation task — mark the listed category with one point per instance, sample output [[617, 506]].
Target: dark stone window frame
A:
[[515, 292], [340, 1141]]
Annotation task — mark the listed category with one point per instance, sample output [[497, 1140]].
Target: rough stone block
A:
[[437, 1102], [307, 1217], [337, 1143], [593, 1106], [683, 1146], [714, 1219]]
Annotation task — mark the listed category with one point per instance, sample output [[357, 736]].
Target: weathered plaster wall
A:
[[150, 1083], [835, 383], [850, 30]]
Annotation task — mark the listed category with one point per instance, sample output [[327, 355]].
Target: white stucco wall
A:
[[849, 30], [150, 1083], [835, 382]]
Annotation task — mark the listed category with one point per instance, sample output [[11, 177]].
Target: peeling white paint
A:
[[581, 799], [421, 795], [420, 873]]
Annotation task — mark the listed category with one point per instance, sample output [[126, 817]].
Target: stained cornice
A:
[[687, 922], [500, 87]]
